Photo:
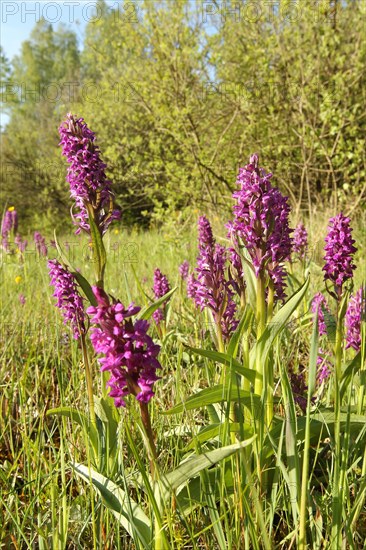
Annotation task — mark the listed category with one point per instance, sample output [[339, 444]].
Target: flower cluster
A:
[[161, 287], [261, 223], [40, 243], [9, 225], [161, 284], [211, 284], [355, 314], [184, 269], [319, 304], [191, 286], [205, 236], [10, 222], [129, 353], [339, 249], [86, 175], [211, 289], [21, 243], [300, 240], [68, 298], [5, 243]]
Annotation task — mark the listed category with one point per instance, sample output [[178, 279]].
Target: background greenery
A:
[[179, 98]]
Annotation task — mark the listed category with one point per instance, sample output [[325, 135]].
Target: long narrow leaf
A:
[[278, 322], [225, 359], [147, 312], [249, 276], [244, 324], [86, 287], [291, 444], [194, 493], [216, 394], [352, 368], [305, 464], [196, 463], [127, 511], [209, 433], [99, 253]]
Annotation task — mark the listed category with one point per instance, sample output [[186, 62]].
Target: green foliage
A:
[[177, 106], [66, 482], [123, 507], [180, 98]]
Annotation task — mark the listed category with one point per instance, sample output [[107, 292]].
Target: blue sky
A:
[[19, 17]]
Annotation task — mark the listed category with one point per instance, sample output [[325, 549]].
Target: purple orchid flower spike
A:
[[68, 298], [211, 289], [339, 252], [40, 243], [161, 287], [261, 223], [300, 239], [355, 315], [129, 353], [320, 304], [89, 186], [184, 269]]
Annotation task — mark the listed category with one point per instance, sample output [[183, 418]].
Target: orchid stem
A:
[[89, 380]]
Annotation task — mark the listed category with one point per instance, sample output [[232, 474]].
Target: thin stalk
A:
[[245, 352], [270, 300], [268, 368], [64, 511], [269, 380], [305, 464], [135, 389], [95, 531], [242, 301], [361, 503], [261, 323], [258, 506], [99, 253], [160, 540], [145, 417], [260, 369], [89, 379], [261, 305], [89, 384], [361, 392], [304, 486], [220, 341], [337, 490]]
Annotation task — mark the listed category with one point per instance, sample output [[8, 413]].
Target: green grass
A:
[[45, 505]]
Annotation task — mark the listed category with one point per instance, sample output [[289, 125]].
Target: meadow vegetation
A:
[[201, 380], [181, 93], [45, 504]]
